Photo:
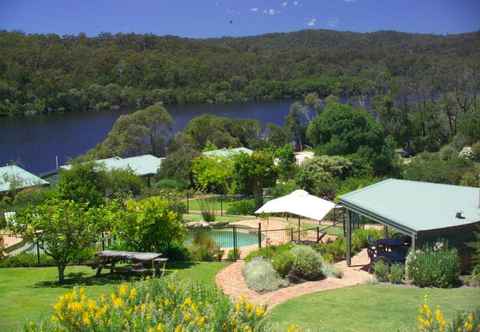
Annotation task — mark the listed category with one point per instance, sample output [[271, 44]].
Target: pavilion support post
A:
[[298, 229], [348, 239], [414, 237]]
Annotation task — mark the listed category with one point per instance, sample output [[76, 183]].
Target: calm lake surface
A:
[[34, 142]]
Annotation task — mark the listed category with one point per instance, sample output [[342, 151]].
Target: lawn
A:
[[370, 307], [198, 217], [28, 293], [212, 203]]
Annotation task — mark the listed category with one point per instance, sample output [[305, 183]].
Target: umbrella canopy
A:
[[300, 203]]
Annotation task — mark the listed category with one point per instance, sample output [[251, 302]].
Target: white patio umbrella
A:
[[300, 203]]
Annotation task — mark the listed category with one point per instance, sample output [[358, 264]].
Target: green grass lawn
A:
[[370, 307], [28, 293], [213, 203]]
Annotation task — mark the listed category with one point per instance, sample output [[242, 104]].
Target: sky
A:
[[215, 18]]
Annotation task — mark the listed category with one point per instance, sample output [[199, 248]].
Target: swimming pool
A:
[[224, 238]]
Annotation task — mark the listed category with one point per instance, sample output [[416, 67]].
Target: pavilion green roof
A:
[[413, 206], [227, 153], [142, 165], [14, 176]]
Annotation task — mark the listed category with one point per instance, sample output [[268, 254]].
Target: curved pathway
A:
[[231, 281]]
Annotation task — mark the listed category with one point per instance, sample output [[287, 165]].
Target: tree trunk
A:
[[61, 274]]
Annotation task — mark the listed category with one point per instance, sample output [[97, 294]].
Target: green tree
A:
[[212, 174], [144, 131], [295, 123], [153, 224], [469, 125], [286, 162], [84, 183], [277, 136], [66, 228], [320, 175], [253, 173], [342, 130]]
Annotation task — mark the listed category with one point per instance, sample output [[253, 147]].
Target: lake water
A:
[[34, 142]]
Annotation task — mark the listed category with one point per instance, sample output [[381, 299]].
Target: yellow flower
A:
[[160, 328], [123, 290], [133, 294], [116, 301], [440, 318], [86, 319], [200, 321], [259, 311]]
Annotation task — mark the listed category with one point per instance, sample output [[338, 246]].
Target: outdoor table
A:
[[110, 257]]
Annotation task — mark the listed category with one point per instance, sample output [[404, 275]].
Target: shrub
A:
[[243, 207], [380, 269], [331, 271], [269, 252], [476, 151], [153, 305], [283, 263], [436, 266], [396, 274], [332, 251], [307, 264], [203, 246], [26, 260], [233, 255], [360, 238], [261, 277]]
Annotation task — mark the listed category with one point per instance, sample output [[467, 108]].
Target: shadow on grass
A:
[[84, 279]]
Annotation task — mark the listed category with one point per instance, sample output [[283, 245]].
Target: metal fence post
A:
[[318, 234], [38, 252], [235, 247], [221, 205], [259, 235], [103, 241], [188, 202]]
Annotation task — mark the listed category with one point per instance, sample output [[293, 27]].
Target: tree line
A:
[[50, 73]]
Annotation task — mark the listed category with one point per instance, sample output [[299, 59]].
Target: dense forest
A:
[[51, 73]]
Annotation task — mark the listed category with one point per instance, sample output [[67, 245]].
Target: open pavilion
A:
[[423, 211]]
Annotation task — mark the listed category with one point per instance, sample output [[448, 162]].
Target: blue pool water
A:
[[224, 238]]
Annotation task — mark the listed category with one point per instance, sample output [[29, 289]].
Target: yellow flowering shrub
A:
[[152, 306], [429, 320]]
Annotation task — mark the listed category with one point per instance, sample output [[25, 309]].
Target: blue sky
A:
[[211, 18]]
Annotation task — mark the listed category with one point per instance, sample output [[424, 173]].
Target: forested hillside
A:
[[50, 73]]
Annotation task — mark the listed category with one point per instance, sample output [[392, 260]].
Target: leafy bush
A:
[[243, 207], [436, 266], [360, 238], [333, 251], [152, 224], [269, 252], [283, 263], [203, 247], [283, 188], [476, 151], [307, 264], [233, 255], [380, 269], [261, 277], [397, 272], [331, 271], [26, 260], [153, 305]]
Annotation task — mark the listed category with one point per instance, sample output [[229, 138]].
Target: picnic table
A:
[[141, 262], [390, 251]]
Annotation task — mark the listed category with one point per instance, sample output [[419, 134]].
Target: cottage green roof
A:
[[226, 153], [413, 206], [140, 165], [19, 178]]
